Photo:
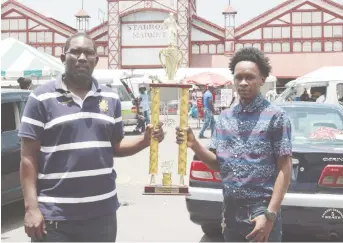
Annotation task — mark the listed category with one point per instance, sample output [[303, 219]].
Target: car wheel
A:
[[211, 230]]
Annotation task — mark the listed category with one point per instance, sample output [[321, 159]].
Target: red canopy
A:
[[206, 78]]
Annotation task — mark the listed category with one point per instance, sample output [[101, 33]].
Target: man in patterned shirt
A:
[[251, 147]]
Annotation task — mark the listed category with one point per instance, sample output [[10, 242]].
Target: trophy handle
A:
[[180, 59], [161, 60]]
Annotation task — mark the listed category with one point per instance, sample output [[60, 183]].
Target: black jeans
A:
[[100, 229], [237, 216]]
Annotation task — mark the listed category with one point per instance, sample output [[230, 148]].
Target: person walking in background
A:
[[193, 109], [25, 83], [144, 103], [251, 147], [70, 131], [208, 104], [140, 118]]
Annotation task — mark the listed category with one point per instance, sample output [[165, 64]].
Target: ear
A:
[[96, 60], [263, 81], [63, 58]]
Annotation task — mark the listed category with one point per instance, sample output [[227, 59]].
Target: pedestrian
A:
[[140, 128], [144, 102], [252, 149], [24, 83], [71, 129], [208, 111]]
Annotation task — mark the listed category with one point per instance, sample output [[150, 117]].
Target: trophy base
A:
[[166, 190]]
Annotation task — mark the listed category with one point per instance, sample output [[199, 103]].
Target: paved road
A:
[[141, 217]]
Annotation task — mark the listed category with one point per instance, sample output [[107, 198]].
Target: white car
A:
[[111, 79], [330, 78]]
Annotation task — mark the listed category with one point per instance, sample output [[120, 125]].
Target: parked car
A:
[[12, 106], [314, 201]]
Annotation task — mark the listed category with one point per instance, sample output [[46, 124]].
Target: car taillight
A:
[[332, 176], [199, 171], [134, 109]]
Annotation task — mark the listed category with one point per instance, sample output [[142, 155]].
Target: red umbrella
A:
[[207, 78]]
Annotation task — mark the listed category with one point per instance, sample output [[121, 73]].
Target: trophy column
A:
[[155, 119], [183, 125]]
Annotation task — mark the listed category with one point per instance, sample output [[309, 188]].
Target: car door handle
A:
[[295, 172]]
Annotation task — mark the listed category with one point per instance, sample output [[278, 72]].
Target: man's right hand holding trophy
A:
[[207, 156]]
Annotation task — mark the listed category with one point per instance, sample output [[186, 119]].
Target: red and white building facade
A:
[[298, 36]]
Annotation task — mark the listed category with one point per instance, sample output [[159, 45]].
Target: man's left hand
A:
[[156, 132], [262, 229]]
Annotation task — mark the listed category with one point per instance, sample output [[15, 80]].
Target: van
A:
[[12, 106], [112, 79], [330, 79]]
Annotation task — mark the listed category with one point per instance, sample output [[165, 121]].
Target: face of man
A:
[[80, 60], [141, 90], [248, 80], [316, 94]]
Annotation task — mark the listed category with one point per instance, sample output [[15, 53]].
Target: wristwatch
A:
[[270, 215]]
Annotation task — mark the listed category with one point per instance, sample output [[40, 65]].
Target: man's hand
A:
[[262, 229], [157, 133], [180, 136], [34, 224]]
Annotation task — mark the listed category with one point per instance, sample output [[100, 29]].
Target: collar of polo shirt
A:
[[60, 85], [253, 106]]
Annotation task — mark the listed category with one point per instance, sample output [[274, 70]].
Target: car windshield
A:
[[121, 91], [303, 93], [312, 125]]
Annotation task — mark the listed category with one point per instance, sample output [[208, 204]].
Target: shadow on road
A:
[[12, 217], [207, 238], [287, 238]]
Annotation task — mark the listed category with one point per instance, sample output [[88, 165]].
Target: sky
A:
[[64, 10]]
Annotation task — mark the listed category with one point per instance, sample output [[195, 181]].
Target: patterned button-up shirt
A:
[[248, 142]]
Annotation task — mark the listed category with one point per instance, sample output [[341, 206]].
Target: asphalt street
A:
[[140, 217]]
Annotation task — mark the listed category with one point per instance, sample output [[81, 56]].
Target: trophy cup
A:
[[170, 59]]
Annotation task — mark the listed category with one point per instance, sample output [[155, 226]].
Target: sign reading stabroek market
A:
[[145, 34]]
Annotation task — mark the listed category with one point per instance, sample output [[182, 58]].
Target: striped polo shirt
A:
[[76, 179]]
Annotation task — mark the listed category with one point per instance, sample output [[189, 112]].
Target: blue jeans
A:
[[147, 117], [237, 216], [100, 229], [208, 121]]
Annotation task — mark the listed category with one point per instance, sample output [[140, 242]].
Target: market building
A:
[[298, 36]]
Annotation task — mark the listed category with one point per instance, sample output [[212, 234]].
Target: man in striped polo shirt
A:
[[71, 129]]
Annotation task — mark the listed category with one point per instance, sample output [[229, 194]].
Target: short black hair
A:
[[24, 83], [254, 55], [20, 80], [78, 34]]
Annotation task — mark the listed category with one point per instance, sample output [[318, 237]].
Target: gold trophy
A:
[[170, 59]]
